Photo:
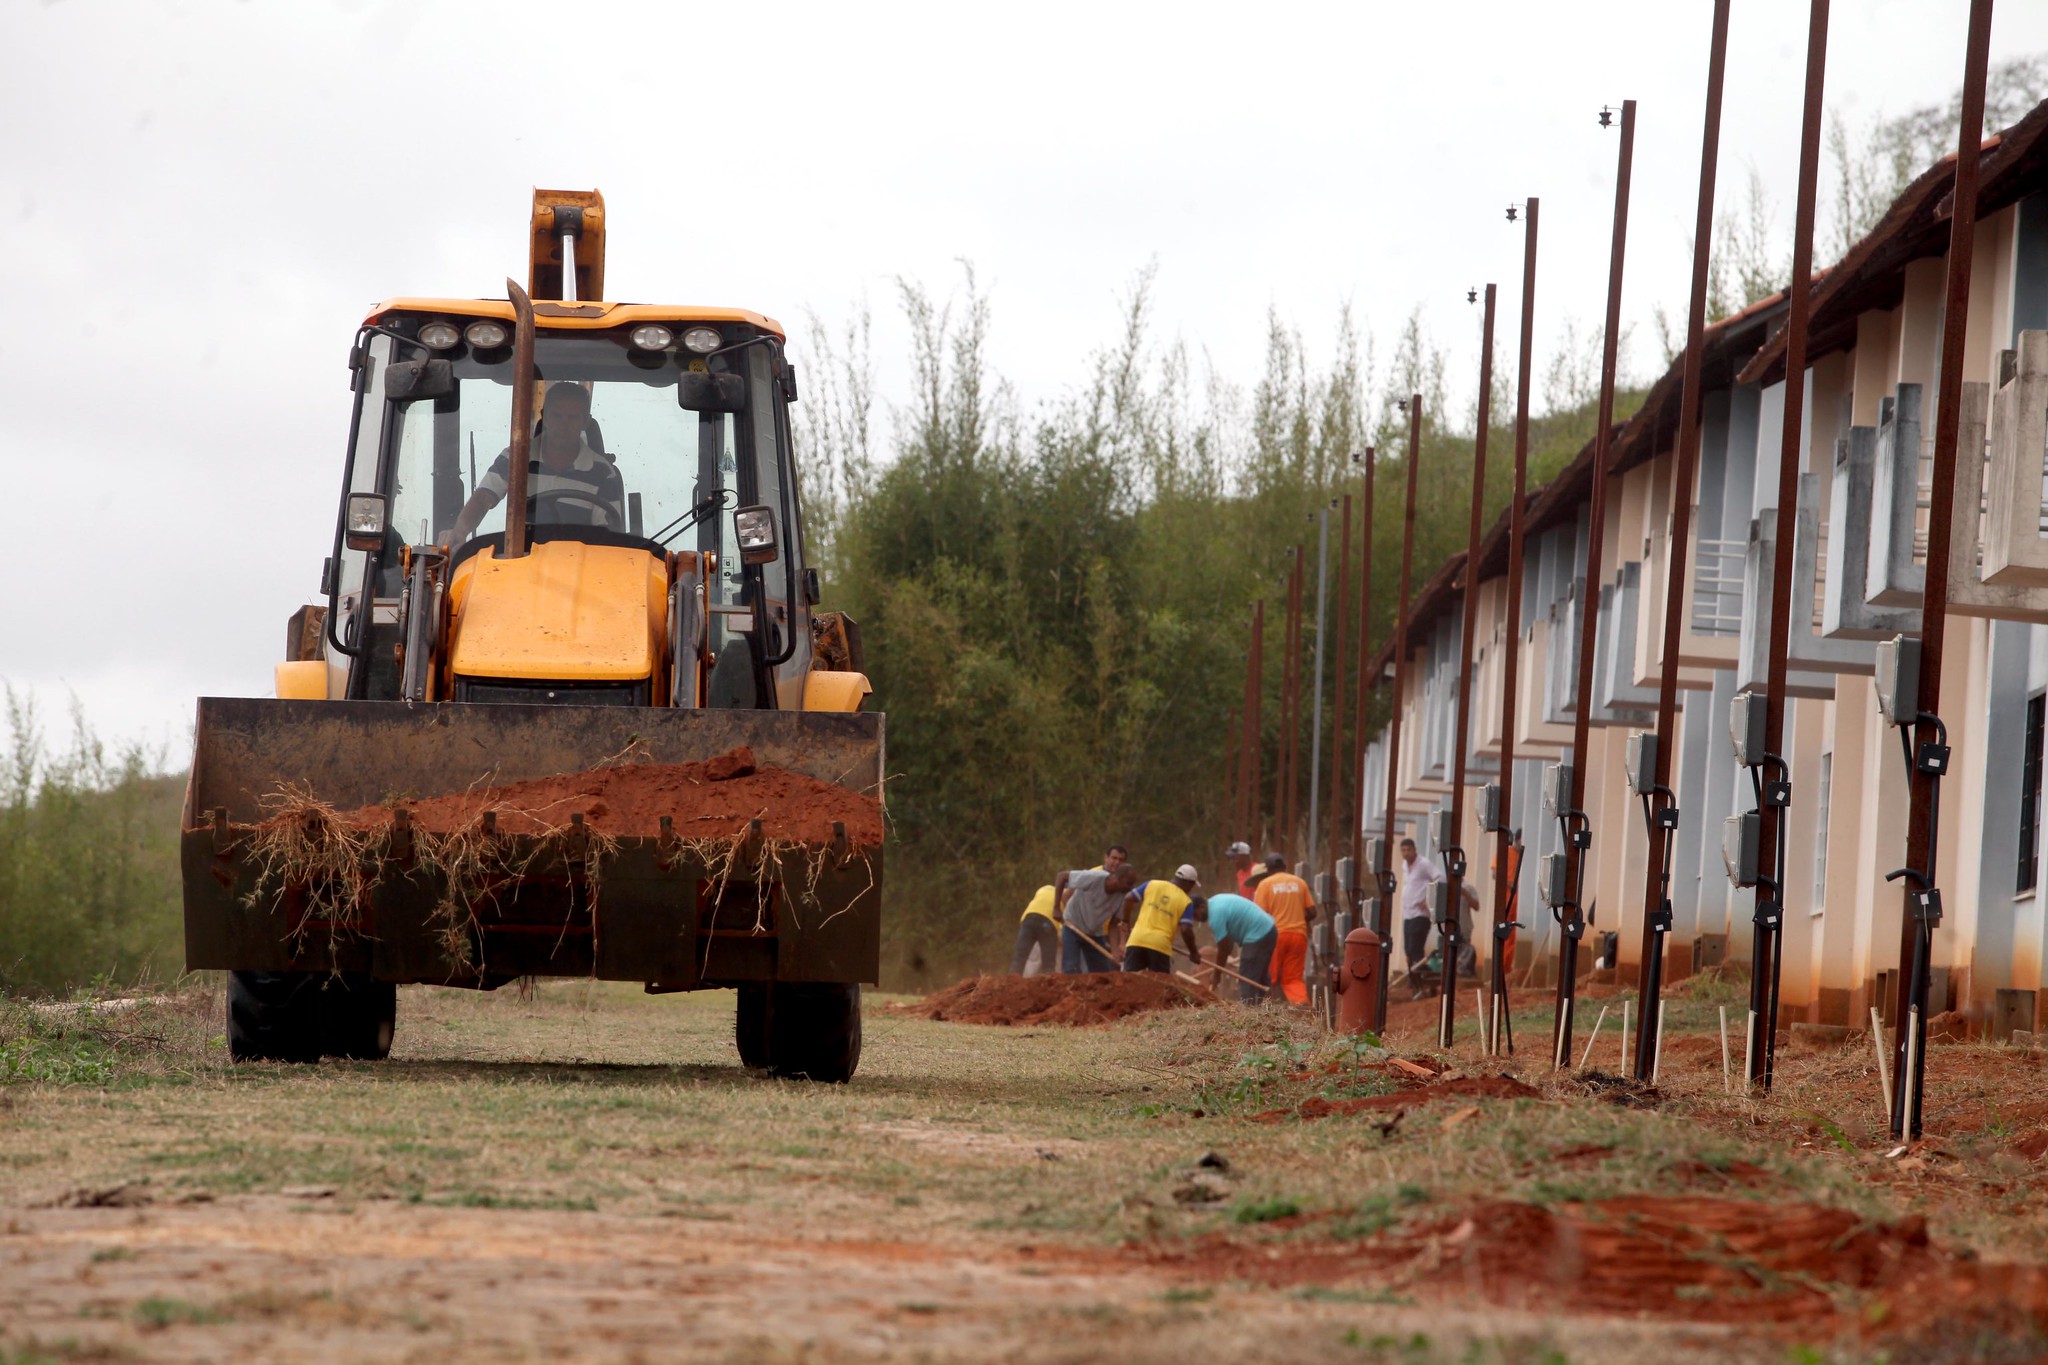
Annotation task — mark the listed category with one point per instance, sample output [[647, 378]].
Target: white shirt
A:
[[1415, 889]]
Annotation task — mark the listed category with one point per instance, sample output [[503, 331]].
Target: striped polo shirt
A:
[[589, 491]]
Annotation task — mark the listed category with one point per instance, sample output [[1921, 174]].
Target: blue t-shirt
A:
[[1237, 919]]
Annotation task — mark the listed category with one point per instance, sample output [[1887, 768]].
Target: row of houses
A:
[[1859, 533]]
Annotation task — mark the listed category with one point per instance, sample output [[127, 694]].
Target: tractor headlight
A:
[[702, 340], [651, 336], [754, 529], [487, 335], [439, 336], [363, 523]]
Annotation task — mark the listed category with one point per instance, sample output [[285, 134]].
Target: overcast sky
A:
[[203, 199]]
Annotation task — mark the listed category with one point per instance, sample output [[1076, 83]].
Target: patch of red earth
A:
[[1464, 1087], [1084, 1000], [1792, 1269], [1684, 1257], [1983, 1086], [713, 799], [1949, 1026]]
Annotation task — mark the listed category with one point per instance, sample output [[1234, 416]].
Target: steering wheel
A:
[[556, 497]]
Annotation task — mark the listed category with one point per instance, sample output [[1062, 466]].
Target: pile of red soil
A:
[[714, 799], [1791, 1269], [1721, 1260], [1091, 999]]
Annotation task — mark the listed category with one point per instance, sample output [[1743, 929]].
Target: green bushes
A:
[[88, 860], [1055, 602]]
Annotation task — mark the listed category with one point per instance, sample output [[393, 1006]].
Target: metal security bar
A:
[[1717, 587]]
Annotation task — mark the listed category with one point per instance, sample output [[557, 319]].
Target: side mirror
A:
[[703, 391], [363, 524], [409, 379], [754, 528]]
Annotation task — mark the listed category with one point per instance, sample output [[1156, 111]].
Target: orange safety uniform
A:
[[1287, 899], [1507, 949]]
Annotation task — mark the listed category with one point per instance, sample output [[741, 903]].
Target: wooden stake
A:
[[1884, 1077], [1593, 1038], [1657, 1056], [1909, 1086], [1727, 1082], [1748, 1047], [1624, 1037]]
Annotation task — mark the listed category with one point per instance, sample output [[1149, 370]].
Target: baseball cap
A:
[[1186, 873], [1240, 849]]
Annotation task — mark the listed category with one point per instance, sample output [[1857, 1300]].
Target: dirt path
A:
[[585, 1173], [276, 1278]]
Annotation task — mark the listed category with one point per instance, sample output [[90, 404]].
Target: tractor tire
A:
[[750, 1026], [815, 1031], [274, 1016], [358, 1015]]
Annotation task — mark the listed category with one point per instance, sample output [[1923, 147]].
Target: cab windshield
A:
[[639, 466]]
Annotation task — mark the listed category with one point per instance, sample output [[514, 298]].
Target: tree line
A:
[[1055, 602]]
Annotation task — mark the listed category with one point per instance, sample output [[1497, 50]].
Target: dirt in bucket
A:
[[1083, 1000], [714, 799]]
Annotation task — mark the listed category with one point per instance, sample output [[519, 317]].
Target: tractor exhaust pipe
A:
[[522, 422]]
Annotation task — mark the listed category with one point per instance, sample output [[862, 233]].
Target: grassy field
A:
[[585, 1172]]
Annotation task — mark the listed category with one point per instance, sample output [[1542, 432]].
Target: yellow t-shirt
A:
[[1158, 915], [1041, 904], [1284, 896]]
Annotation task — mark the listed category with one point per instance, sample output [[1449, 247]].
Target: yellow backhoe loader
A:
[[506, 607]]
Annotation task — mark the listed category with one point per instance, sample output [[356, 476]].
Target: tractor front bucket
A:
[[307, 844]]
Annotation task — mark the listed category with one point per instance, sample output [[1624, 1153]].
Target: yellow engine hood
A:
[[567, 612]]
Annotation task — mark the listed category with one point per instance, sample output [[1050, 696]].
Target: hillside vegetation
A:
[[88, 860], [1056, 602]]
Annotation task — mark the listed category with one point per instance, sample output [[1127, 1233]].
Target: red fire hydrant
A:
[[1358, 982]]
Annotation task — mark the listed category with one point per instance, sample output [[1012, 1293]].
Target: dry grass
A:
[[587, 1101]]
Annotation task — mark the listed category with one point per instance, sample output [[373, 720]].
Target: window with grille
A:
[[2028, 871]]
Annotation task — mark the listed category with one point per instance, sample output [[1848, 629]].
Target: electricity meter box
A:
[[1741, 841], [1746, 728], [1552, 880], [1489, 808], [1641, 758], [1557, 789], [1443, 831], [1898, 679]]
